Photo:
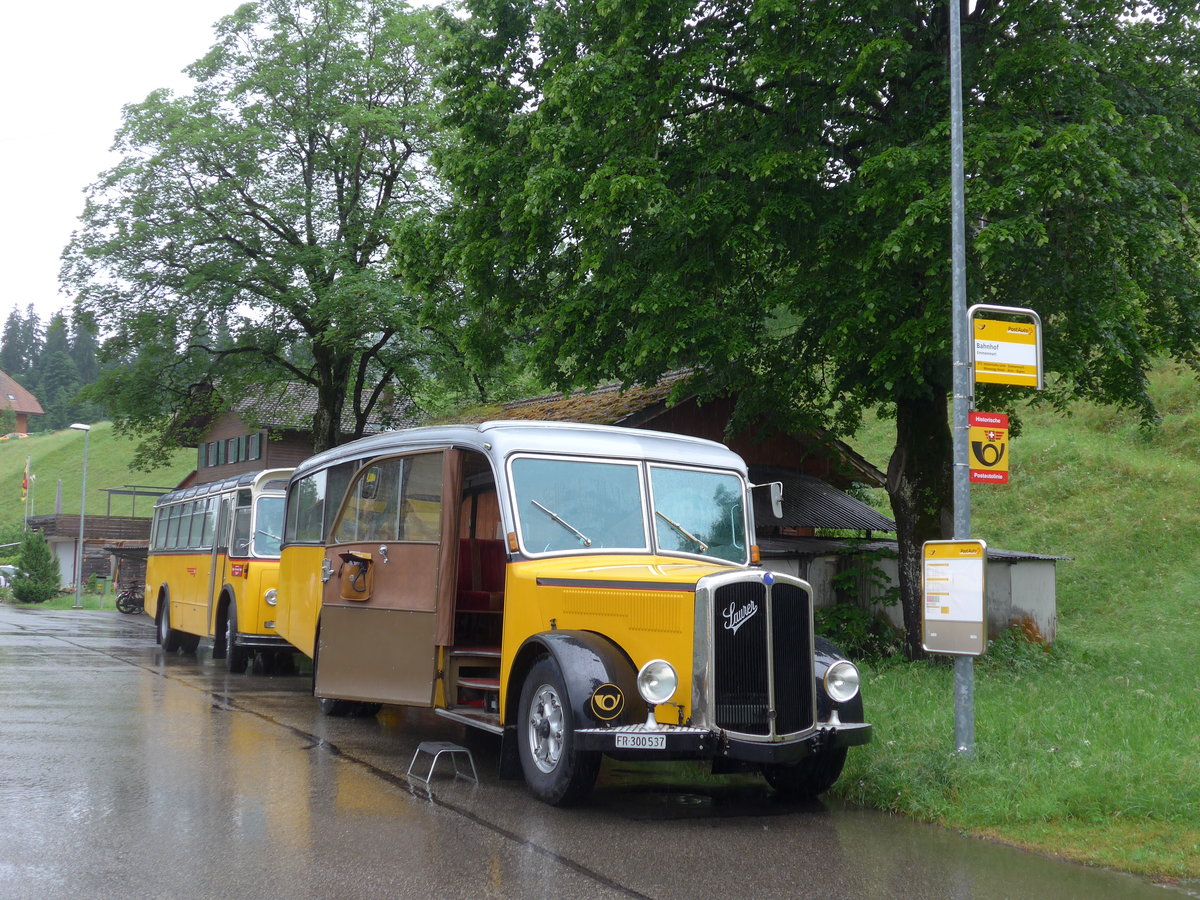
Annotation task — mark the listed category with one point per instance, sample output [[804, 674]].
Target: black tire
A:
[[555, 770], [236, 656], [168, 637], [282, 662], [188, 643], [341, 709], [129, 603], [809, 777]]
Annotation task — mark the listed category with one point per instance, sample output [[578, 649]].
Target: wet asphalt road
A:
[[128, 773]]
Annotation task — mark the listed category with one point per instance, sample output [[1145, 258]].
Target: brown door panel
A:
[[399, 576], [377, 654]]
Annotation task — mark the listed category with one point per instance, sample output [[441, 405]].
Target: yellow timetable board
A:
[[954, 595], [1005, 352]]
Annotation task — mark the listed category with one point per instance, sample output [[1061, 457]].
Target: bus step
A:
[[474, 718], [475, 652], [479, 684]]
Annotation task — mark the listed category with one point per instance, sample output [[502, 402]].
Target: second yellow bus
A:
[[213, 565]]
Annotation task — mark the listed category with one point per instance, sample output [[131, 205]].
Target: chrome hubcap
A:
[[545, 729]]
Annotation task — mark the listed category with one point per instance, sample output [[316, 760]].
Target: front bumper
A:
[[676, 741], [263, 642]]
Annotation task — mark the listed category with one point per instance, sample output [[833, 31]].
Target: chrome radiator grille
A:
[[762, 665]]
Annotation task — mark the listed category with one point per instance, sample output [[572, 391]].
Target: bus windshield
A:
[[699, 511], [268, 526], [589, 505], [569, 504]]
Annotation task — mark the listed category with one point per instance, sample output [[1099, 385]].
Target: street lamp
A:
[[82, 512]]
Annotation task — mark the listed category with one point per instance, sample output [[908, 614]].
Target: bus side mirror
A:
[[776, 488]]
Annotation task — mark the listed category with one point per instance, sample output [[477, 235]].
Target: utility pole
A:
[[964, 670]]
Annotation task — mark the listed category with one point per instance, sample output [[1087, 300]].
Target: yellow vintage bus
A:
[[581, 591], [213, 564]]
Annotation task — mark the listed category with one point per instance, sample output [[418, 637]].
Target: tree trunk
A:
[[919, 483], [333, 374]]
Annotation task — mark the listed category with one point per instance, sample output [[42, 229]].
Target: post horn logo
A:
[[988, 454], [607, 702]]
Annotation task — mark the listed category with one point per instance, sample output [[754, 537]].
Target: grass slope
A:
[[58, 455], [1090, 749]]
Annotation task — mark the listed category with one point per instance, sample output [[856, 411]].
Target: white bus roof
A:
[[499, 439]]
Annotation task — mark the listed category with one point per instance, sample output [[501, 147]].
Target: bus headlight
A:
[[656, 682], [841, 681], [271, 597]]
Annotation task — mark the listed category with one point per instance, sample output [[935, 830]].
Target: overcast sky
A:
[[67, 69]]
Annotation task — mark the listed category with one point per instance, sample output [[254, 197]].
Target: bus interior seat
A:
[[480, 575]]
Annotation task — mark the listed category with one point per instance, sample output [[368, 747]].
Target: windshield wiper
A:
[[687, 534], [555, 517]]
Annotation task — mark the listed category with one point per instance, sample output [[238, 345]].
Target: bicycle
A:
[[129, 600]]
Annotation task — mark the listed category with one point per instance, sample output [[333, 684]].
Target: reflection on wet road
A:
[[125, 772]]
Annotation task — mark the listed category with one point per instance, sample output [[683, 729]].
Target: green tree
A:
[[54, 377], [20, 343], [12, 355], [760, 190], [84, 351], [264, 201], [38, 577]]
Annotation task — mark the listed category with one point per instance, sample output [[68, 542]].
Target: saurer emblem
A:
[[735, 618]]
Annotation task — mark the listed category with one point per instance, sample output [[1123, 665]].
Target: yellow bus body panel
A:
[[299, 595], [185, 577], [643, 604]]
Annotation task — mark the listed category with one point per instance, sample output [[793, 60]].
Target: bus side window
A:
[[372, 510], [240, 545], [421, 510]]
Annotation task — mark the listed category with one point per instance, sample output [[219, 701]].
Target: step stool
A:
[[436, 749]]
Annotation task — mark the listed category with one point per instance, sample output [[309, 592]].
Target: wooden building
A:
[[20, 401], [825, 534], [102, 536], [271, 429]]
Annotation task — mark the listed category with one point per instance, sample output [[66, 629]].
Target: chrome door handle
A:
[[383, 553]]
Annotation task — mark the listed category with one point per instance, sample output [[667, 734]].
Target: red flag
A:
[[25, 481]]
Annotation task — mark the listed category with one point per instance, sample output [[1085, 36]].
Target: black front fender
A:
[[600, 679], [826, 654]]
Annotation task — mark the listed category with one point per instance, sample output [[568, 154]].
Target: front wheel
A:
[[556, 771], [809, 777], [236, 656]]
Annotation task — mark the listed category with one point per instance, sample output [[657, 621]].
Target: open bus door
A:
[[378, 631]]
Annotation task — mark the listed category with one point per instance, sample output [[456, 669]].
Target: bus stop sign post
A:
[[964, 673]]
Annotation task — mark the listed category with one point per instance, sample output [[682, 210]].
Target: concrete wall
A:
[[95, 560]]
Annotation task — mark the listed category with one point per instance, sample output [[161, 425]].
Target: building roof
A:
[[608, 404], [811, 503], [641, 406], [16, 398], [290, 406]]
